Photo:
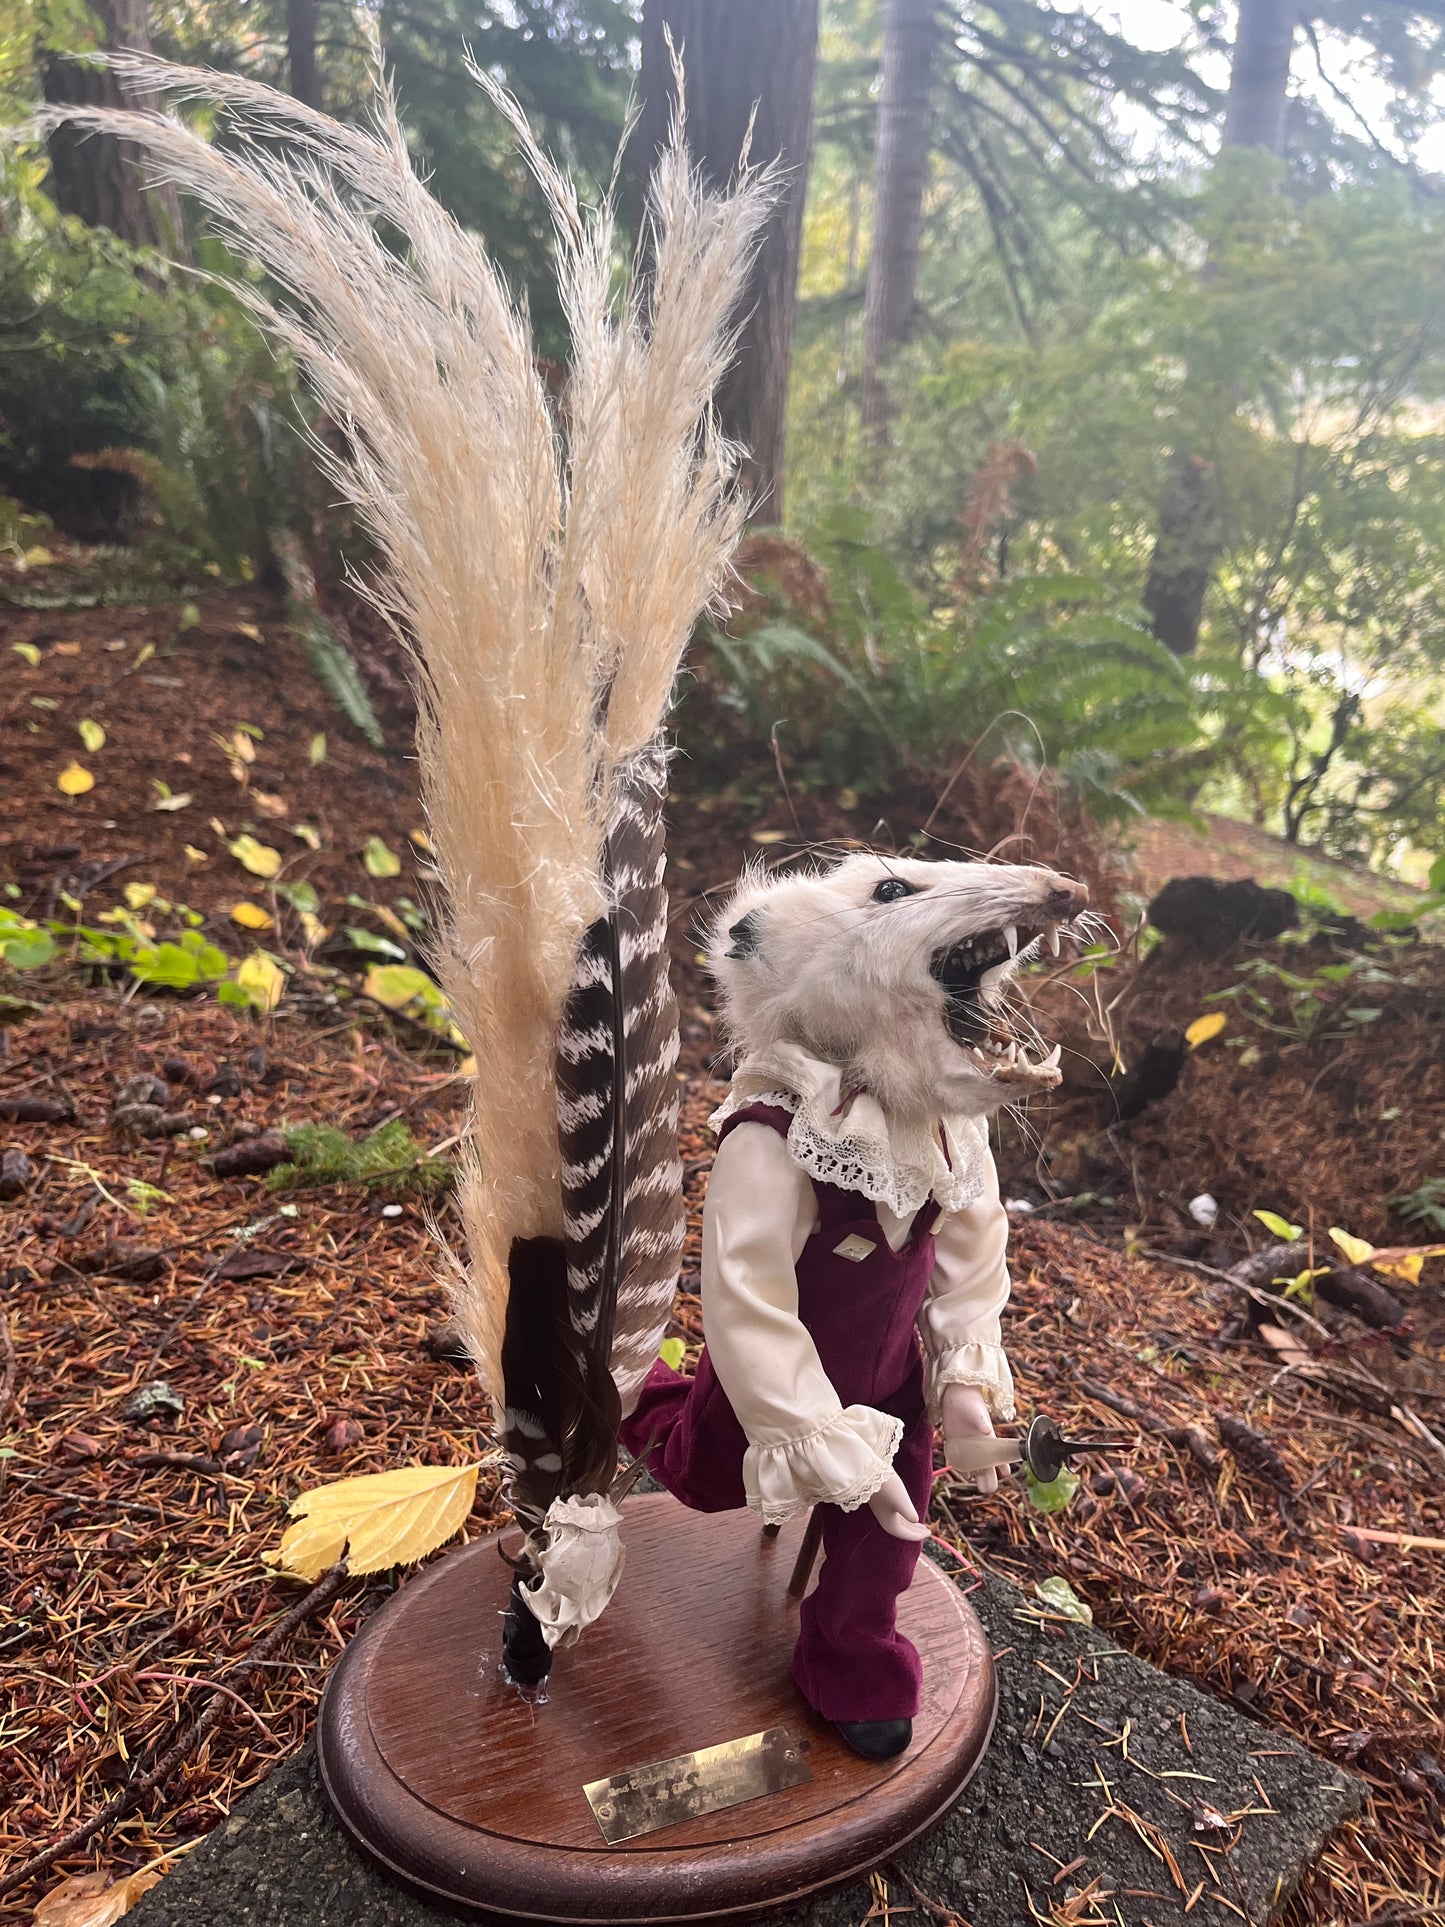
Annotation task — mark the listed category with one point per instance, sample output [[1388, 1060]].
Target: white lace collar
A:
[[842, 1135]]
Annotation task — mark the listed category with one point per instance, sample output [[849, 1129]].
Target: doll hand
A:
[[966, 1417], [894, 1510]]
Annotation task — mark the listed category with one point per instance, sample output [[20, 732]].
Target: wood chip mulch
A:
[[297, 1337]]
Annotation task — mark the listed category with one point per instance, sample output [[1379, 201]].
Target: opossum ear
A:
[[746, 934]]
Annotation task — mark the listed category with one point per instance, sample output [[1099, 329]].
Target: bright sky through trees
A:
[[1158, 25]]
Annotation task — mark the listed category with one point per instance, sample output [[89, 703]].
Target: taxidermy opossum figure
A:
[[898, 969]]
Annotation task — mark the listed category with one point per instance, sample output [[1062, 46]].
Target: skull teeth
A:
[[991, 983], [1002, 1054]]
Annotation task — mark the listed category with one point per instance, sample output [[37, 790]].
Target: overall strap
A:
[[835, 1206]]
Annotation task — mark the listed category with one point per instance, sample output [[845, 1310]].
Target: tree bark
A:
[[1254, 114], [1190, 532], [95, 176], [745, 60], [911, 37], [301, 16]]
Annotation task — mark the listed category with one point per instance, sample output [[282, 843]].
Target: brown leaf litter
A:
[[133, 1544]]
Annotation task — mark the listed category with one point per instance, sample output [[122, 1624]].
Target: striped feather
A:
[[617, 1101]]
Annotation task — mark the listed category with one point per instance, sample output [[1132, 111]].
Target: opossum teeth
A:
[[1011, 938], [1052, 934], [989, 982], [1051, 1062]]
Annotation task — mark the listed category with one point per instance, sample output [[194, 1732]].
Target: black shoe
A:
[[876, 1739], [526, 1656]]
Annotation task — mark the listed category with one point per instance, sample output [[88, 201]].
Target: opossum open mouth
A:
[[973, 975]]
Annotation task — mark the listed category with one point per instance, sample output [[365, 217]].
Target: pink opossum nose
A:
[[1065, 898]]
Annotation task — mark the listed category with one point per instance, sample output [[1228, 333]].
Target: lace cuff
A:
[[979, 1364], [843, 1463]]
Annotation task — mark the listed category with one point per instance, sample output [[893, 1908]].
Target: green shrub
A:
[[877, 679]]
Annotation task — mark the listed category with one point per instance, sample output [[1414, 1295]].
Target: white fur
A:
[[848, 979]]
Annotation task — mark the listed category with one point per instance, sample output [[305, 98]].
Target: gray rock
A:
[[153, 1401], [1109, 1781]]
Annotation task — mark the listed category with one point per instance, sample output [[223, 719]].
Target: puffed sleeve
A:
[[959, 1322], [804, 1446]]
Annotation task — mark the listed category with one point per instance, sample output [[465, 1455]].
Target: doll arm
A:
[[804, 1447], [959, 1322]]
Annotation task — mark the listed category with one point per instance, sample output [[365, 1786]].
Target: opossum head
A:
[[898, 970]]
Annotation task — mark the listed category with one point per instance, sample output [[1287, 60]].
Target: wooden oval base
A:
[[467, 1791]]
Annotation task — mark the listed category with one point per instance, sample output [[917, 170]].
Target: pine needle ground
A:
[[297, 1345]]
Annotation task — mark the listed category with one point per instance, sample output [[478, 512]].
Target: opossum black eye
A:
[[891, 889], [745, 935]]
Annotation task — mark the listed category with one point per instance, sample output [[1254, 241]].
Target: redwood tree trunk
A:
[[96, 176], [911, 37], [1254, 114], [742, 55], [301, 51], [1190, 531]]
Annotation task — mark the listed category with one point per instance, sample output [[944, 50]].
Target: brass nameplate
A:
[[647, 1798]]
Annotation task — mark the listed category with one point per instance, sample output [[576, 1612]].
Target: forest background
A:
[[1093, 387], [1094, 391]]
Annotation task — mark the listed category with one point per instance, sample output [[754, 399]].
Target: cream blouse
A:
[[804, 1446]]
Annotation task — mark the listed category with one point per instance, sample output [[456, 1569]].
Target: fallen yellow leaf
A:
[[1404, 1261], [259, 858], [379, 860], [92, 1899], [384, 1518], [395, 985], [138, 895], [1358, 1250], [91, 734], [390, 920], [1407, 1269], [769, 836], [74, 781], [1203, 1028], [250, 916], [315, 930], [36, 558], [263, 981], [193, 855]]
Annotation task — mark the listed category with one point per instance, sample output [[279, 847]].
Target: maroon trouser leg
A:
[[851, 1662]]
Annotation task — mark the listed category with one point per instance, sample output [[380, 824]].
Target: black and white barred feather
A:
[[586, 1312], [617, 1099]]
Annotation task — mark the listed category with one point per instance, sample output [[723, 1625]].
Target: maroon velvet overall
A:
[[851, 1662]]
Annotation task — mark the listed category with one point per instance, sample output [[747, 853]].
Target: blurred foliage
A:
[[1072, 324], [874, 678], [1095, 292], [130, 396]]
